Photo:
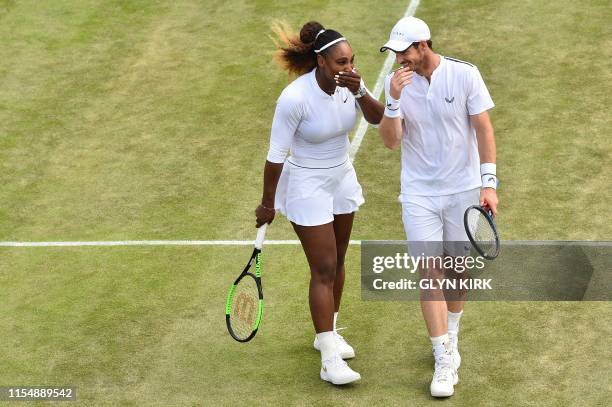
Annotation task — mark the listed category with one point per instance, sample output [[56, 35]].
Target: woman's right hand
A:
[[264, 215]]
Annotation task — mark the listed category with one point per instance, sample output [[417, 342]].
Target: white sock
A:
[[439, 344], [327, 344], [335, 319], [453, 322]]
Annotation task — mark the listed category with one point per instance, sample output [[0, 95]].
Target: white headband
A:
[[329, 44], [319, 33]]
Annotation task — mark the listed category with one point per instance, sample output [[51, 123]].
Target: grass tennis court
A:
[[150, 120]]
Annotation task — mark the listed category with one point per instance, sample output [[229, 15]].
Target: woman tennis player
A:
[[316, 187]]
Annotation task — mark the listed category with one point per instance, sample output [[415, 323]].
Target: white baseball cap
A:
[[405, 32]]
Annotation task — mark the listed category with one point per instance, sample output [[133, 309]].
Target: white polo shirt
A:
[[439, 147], [313, 124]]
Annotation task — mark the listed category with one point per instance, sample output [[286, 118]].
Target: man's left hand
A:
[[488, 199]]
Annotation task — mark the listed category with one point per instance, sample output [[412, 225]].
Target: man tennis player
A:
[[436, 109]]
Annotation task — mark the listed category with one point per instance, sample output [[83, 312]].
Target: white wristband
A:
[[488, 175], [393, 114], [392, 108]]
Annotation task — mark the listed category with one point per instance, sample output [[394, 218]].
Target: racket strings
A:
[[481, 231], [245, 307]]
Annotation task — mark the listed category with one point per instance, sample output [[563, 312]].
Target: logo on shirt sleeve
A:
[[451, 100]]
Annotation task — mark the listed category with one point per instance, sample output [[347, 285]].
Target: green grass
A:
[[144, 326], [146, 120]]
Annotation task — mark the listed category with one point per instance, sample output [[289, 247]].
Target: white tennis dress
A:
[[318, 180]]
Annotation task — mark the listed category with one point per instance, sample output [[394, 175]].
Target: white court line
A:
[[278, 242], [378, 88], [355, 144], [156, 243]]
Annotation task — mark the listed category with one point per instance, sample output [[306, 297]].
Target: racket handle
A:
[[261, 233]]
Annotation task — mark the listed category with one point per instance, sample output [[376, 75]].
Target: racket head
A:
[[482, 232], [244, 304]]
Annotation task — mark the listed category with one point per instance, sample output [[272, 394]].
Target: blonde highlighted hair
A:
[[295, 53]]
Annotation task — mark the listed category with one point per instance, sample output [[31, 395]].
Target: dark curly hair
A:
[[296, 53]]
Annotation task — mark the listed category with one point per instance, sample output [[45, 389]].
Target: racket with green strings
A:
[[244, 305]]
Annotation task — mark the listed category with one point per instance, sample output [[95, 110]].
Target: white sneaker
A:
[[454, 340], [337, 371], [445, 376], [346, 350]]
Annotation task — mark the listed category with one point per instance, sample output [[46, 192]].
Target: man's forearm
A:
[[486, 146], [485, 137], [390, 131]]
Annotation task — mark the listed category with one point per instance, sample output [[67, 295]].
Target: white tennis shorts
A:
[[310, 193], [438, 219]]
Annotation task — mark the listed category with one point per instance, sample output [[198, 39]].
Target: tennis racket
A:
[[482, 232], [244, 304]]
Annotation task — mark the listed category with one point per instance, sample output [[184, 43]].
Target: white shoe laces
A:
[[444, 368], [337, 361], [443, 373], [338, 335]]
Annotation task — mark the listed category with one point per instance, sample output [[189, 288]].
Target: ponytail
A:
[[297, 54]]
